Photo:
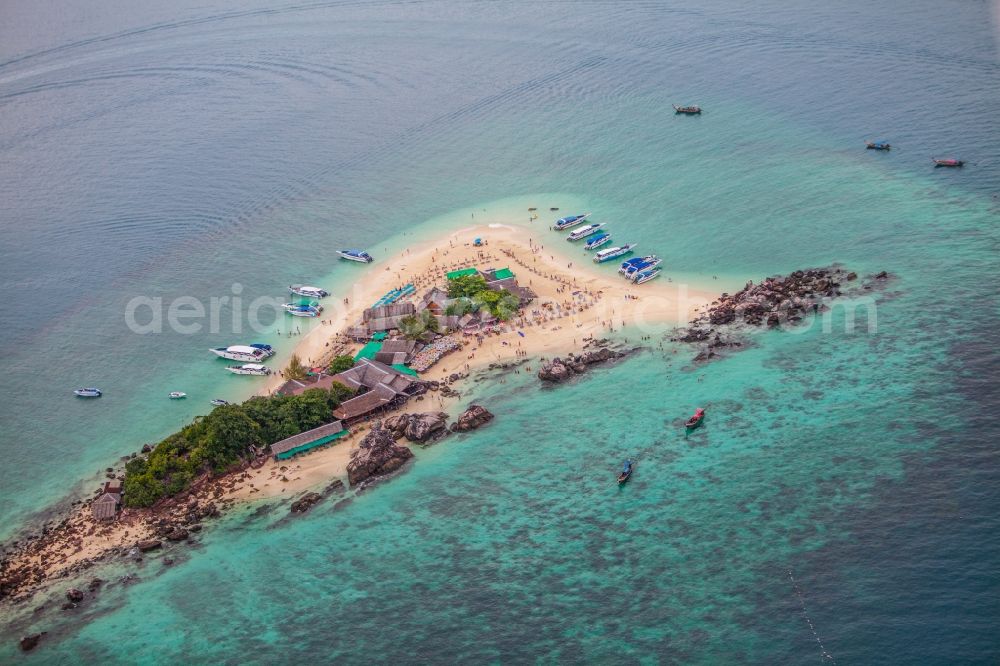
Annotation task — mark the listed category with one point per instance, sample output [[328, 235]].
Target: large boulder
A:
[[472, 418], [74, 595], [377, 455], [30, 641], [178, 534], [149, 544], [555, 371], [306, 502], [424, 427]]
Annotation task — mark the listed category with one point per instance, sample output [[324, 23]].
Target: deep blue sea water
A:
[[175, 149]]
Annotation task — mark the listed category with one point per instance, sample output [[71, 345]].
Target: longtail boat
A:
[[626, 472], [947, 162], [690, 110], [696, 420], [877, 145]]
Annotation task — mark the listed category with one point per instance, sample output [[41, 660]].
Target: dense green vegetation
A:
[[474, 295], [416, 327], [224, 437], [340, 364]]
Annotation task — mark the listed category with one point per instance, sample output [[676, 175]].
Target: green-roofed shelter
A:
[[368, 351], [404, 369], [503, 274], [462, 273], [309, 439], [379, 336]]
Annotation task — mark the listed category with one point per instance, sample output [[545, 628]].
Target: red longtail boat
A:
[[947, 161], [696, 420]]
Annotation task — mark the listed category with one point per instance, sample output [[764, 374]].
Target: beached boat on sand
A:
[[249, 353], [583, 232], [689, 110], [356, 255], [947, 162], [307, 291], [88, 392], [626, 472], [611, 253], [645, 276], [249, 369], [597, 241], [570, 221]]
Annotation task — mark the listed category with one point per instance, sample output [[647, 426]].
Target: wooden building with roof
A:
[[105, 507], [310, 439], [379, 387]]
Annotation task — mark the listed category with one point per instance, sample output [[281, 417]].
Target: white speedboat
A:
[[88, 392], [611, 253], [569, 221], [583, 232], [647, 275], [219, 402], [249, 353], [303, 309], [249, 369], [356, 255], [177, 395], [307, 291]]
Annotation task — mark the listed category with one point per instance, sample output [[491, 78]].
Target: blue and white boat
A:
[[302, 309], [583, 232], [248, 353], [647, 262], [611, 253], [356, 255], [88, 392], [634, 261], [647, 275], [219, 402], [249, 369], [598, 241], [307, 291], [570, 221]]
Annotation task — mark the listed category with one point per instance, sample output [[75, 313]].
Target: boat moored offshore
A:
[[356, 255], [307, 291], [88, 392], [219, 402], [877, 145], [598, 240], [652, 261], [947, 161], [570, 221], [177, 395], [689, 110], [249, 369], [611, 253], [583, 232], [251, 353], [303, 309]]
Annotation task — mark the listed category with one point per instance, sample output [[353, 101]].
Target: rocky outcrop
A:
[[377, 455], [74, 595], [30, 642], [179, 534], [306, 502], [559, 370], [423, 427], [472, 418], [148, 545], [772, 303]]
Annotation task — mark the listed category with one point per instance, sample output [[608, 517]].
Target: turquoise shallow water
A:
[[169, 152]]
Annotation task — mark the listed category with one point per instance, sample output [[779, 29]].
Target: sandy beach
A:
[[577, 300]]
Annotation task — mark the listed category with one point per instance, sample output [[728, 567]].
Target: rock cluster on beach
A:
[[560, 369], [378, 454], [775, 301], [424, 427], [472, 418]]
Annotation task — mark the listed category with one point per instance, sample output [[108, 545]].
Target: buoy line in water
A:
[[805, 614]]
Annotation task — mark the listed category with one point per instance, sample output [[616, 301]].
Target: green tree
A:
[[230, 433], [466, 286], [340, 364], [295, 369]]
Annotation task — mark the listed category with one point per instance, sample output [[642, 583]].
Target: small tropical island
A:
[[370, 382]]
